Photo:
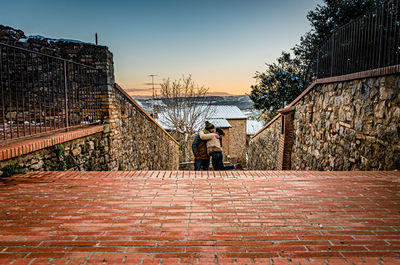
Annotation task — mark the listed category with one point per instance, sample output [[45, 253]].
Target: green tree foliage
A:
[[12, 169], [285, 80], [277, 86], [335, 13]]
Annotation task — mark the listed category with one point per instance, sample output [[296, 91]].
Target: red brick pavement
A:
[[200, 218]]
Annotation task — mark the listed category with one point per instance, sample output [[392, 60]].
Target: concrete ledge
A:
[[25, 146]]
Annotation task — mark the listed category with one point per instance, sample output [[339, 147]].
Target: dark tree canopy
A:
[[285, 80], [277, 86], [335, 13]]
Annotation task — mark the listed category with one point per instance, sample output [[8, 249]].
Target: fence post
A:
[[380, 53], [98, 96], [333, 52], [318, 63], [65, 96], [2, 93]]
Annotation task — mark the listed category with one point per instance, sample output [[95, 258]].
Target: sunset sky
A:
[[221, 43]]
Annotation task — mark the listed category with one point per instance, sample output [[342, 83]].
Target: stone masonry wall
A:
[[237, 140], [86, 153], [225, 142], [286, 141], [137, 141], [350, 125], [263, 148]]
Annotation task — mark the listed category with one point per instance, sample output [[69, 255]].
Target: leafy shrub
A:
[[10, 170]]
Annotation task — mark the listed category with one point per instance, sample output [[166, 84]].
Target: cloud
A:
[[220, 94], [135, 90]]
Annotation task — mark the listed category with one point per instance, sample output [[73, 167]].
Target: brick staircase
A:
[[176, 217]]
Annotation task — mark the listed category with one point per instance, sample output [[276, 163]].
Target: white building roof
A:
[[221, 123], [217, 115], [253, 126], [226, 112]]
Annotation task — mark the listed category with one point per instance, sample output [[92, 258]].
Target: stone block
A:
[[76, 151], [364, 90], [345, 124], [368, 108]]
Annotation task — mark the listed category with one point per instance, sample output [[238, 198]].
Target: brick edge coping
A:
[[26, 146], [384, 71], [120, 89], [236, 173], [267, 125]]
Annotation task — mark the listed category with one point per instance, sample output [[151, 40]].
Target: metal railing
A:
[[369, 42], [41, 93]]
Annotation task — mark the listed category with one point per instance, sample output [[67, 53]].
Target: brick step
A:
[[187, 217]]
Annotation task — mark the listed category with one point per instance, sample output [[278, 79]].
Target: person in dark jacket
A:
[[201, 157], [218, 163]]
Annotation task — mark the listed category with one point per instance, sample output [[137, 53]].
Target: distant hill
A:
[[131, 92], [222, 94], [244, 103]]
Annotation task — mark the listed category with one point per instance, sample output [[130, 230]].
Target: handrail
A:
[[267, 125], [369, 42], [122, 91], [42, 93]]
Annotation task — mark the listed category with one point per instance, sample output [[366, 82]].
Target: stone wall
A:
[[137, 141], [341, 123], [237, 140], [186, 157], [286, 141], [263, 148], [226, 139], [85, 153], [350, 125]]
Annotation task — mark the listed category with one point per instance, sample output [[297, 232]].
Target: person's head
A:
[[220, 131], [209, 126], [212, 130]]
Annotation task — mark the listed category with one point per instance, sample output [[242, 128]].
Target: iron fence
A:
[[41, 93], [369, 42]]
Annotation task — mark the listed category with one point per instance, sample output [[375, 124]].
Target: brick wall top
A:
[[145, 113], [267, 125], [390, 70], [15, 149]]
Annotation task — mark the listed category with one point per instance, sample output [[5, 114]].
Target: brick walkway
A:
[[209, 218]]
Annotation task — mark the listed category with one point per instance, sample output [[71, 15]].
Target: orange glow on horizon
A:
[[233, 89]]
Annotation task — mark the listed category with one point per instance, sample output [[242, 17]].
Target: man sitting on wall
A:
[[201, 157]]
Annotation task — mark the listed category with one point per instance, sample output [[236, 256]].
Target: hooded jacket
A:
[[199, 148], [213, 144]]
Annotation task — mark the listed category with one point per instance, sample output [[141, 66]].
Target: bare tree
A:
[[185, 109]]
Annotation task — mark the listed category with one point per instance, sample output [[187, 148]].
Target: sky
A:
[[220, 43]]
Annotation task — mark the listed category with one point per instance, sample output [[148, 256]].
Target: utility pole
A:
[[154, 93], [95, 35]]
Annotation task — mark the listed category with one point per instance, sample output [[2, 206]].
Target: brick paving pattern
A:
[[164, 217]]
